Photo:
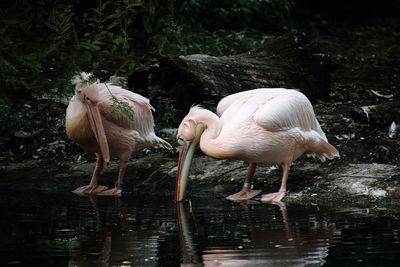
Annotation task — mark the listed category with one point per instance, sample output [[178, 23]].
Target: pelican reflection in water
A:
[[276, 242]]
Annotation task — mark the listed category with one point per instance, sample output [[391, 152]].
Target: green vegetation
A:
[[45, 42], [121, 108]]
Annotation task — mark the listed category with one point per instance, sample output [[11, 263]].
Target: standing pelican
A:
[[271, 126], [94, 121]]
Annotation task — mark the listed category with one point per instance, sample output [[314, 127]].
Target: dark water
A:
[[38, 229]]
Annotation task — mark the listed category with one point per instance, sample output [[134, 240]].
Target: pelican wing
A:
[[142, 120], [227, 101], [285, 111]]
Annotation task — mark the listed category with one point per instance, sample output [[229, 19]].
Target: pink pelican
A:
[[270, 126], [93, 122]]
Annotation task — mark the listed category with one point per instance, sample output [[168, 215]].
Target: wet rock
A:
[[378, 193], [366, 179], [359, 188]]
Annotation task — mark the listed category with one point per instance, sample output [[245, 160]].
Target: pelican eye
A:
[[181, 140], [86, 99]]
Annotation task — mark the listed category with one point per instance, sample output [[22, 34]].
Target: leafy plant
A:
[[159, 25], [60, 22], [100, 27], [121, 107]]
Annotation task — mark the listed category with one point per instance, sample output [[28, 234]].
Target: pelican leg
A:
[[117, 190], [246, 192], [93, 187], [277, 196]]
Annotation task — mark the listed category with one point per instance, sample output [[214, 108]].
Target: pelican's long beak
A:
[[185, 161], [98, 130]]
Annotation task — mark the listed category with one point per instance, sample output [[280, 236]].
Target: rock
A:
[[359, 188], [378, 193], [373, 180]]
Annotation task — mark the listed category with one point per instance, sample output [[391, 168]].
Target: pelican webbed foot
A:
[[89, 189], [244, 194], [116, 191], [273, 197]]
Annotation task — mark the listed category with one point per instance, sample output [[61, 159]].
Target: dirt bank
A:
[[312, 182]]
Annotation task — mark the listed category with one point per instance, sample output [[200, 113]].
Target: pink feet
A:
[[116, 191], [98, 190], [89, 189], [273, 197], [244, 194]]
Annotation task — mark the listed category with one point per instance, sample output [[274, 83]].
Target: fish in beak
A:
[[97, 127], [186, 154]]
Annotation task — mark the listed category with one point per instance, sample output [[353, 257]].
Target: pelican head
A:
[[188, 136], [87, 92]]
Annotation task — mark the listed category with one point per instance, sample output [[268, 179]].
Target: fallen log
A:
[[289, 61]]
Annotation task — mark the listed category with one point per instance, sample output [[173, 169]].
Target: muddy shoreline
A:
[[310, 182]]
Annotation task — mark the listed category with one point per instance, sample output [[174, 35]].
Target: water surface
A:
[[45, 229]]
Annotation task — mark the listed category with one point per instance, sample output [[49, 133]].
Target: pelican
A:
[[94, 122], [272, 126]]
